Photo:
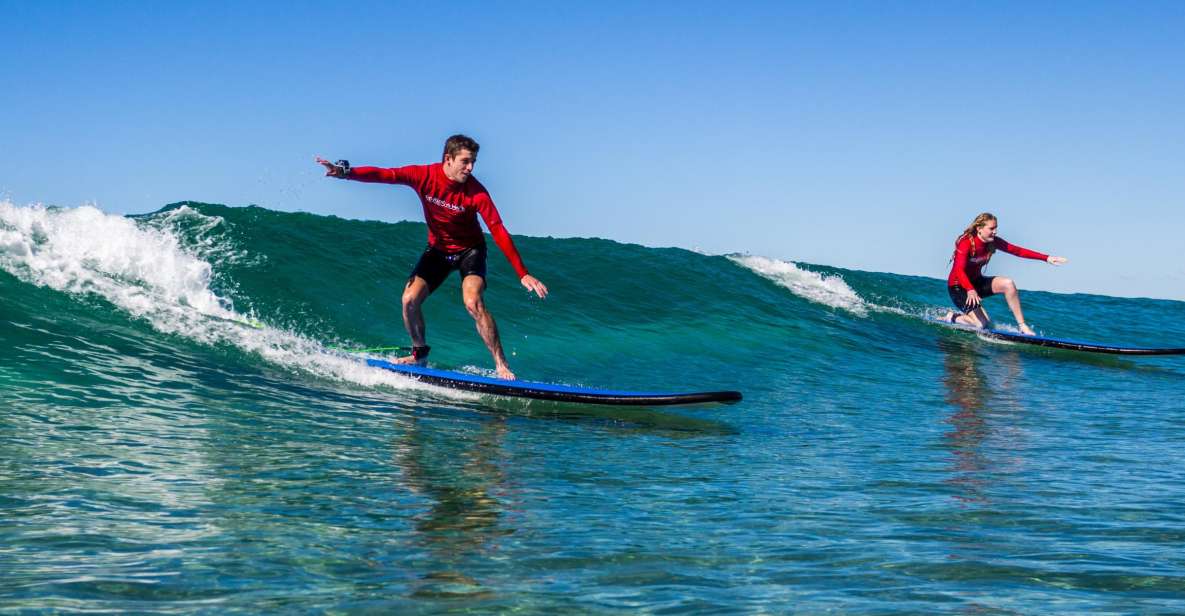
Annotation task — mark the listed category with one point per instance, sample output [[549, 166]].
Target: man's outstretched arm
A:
[[399, 175]]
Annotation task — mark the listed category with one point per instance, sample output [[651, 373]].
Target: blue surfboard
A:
[[1062, 343], [550, 391]]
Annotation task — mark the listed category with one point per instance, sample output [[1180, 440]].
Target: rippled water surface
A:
[[157, 456]]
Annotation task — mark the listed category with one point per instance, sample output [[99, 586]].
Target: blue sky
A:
[[860, 135]]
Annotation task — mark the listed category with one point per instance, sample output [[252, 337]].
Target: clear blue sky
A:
[[861, 135]]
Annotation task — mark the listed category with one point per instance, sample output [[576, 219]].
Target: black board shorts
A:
[[435, 265], [958, 295]]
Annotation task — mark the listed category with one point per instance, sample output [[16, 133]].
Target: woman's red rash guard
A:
[[969, 259]]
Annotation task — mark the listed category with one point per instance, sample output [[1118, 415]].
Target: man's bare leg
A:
[[472, 289], [414, 295]]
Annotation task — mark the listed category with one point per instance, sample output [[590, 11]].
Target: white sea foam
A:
[[829, 290], [144, 270]]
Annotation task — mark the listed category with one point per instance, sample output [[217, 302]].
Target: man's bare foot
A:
[[418, 357], [505, 373], [1026, 330]]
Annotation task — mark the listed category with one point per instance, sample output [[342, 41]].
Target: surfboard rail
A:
[[1062, 343], [1077, 345], [552, 392]]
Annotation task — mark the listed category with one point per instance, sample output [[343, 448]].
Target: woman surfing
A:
[[968, 286]]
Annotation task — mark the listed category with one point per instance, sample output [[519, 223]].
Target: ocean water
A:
[[158, 456]]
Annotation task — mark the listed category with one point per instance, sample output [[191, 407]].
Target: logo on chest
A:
[[444, 204]]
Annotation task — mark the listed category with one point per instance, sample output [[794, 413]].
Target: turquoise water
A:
[[156, 456]]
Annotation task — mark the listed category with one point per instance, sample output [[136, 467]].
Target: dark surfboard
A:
[[1062, 343], [549, 391]]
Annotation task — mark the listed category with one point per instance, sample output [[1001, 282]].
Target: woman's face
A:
[[986, 231]]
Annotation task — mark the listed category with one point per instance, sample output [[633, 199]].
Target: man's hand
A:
[[533, 284], [332, 170]]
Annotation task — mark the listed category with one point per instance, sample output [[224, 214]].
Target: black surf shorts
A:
[[958, 295], [435, 265]]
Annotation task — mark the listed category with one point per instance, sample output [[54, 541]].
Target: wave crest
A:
[[829, 290], [144, 269]]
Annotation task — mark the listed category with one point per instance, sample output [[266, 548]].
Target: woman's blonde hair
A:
[[973, 228]]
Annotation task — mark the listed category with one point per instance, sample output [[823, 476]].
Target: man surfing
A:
[[452, 199], [968, 286]]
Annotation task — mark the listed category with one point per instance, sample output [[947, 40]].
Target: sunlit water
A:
[[157, 455]]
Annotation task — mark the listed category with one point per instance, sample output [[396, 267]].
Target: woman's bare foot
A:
[[1026, 330], [505, 373]]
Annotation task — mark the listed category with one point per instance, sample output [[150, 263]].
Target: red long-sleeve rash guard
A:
[[450, 208], [970, 259]]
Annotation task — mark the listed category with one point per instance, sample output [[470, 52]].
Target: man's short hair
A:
[[459, 142]]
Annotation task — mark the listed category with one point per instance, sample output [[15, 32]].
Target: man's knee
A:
[[413, 296], [475, 306]]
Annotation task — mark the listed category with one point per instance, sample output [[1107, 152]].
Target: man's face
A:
[[459, 167]]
